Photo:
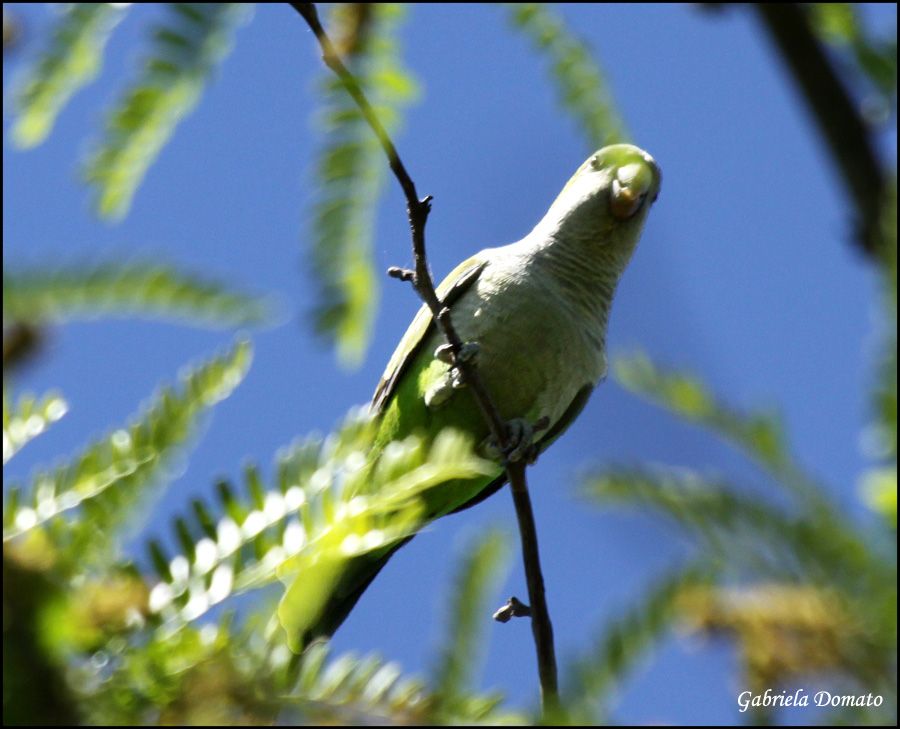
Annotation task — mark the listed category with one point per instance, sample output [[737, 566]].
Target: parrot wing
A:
[[450, 290]]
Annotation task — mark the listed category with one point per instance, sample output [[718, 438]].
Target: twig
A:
[[845, 132], [417, 211]]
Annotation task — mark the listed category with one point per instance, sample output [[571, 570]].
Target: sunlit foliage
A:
[[351, 173], [27, 418], [71, 60], [184, 51], [580, 84], [94, 633], [47, 295]]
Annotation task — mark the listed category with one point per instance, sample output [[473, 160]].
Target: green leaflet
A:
[[50, 295], [71, 61], [758, 434], [183, 54], [467, 613], [824, 590], [879, 483], [581, 86], [351, 685], [597, 674], [743, 530], [28, 418], [107, 479], [350, 172], [327, 508], [840, 25]]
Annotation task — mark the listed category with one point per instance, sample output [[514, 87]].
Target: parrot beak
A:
[[630, 188]]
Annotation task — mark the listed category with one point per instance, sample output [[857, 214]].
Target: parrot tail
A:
[[350, 587], [360, 573]]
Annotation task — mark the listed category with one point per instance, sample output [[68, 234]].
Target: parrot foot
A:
[[439, 392], [454, 379], [520, 443], [467, 353]]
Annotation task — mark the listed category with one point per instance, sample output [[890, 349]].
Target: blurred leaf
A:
[[840, 25], [879, 490], [212, 675], [879, 484], [599, 673], [45, 295], [759, 434], [21, 342], [476, 581], [744, 532], [581, 87], [184, 52], [886, 387], [784, 631], [349, 689], [354, 687], [350, 172], [329, 507], [93, 611], [108, 478], [27, 419], [71, 61], [34, 692]]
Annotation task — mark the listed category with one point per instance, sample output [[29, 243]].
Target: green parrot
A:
[[535, 313]]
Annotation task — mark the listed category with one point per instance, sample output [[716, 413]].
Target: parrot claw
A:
[[467, 353], [444, 354], [520, 442]]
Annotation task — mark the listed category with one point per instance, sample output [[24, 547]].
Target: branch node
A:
[[514, 608], [403, 274]]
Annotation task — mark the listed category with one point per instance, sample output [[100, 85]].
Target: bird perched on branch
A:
[[534, 315]]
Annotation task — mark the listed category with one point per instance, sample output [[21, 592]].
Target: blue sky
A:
[[745, 275]]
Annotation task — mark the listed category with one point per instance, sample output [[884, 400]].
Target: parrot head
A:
[[608, 197]]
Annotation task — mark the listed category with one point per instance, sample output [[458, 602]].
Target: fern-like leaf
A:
[[28, 418], [751, 534], [468, 614], [41, 295], [879, 483], [365, 690], [110, 476], [328, 507], [760, 435], [350, 172], [841, 25], [71, 61], [581, 86], [595, 677], [195, 37], [354, 690]]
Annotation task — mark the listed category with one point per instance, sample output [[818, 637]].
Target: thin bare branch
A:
[[848, 137], [417, 211]]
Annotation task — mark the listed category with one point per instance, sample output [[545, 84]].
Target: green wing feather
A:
[[450, 290]]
